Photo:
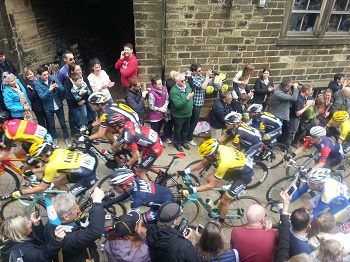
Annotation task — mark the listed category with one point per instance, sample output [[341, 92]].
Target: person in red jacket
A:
[[128, 65]]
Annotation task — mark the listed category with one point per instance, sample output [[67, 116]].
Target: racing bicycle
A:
[[11, 176]]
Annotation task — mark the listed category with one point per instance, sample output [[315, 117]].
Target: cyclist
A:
[[142, 193], [24, 131], [135, 138], [331, 151], [332, 194], [241, 135], [99, 103], [74, 167], [232, 166], [341, 122]]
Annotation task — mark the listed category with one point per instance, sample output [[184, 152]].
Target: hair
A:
[[178, 76], [247, 71], [285, 82], [93, 62], [6, 78], [243, 98], [338, 76], [224, 95], [328, 90], [41, 69], [135, 239], [212, 249], [129, 46], [266, 69], [63, 204], [27, 69], [303, 257], [75, 76], [320, 102], [66, 53], [300, 219], [325, 222], [306, 87], [13, 229], [172, 74], [329, 250], [71, 68], [134, 81], [194, 67], [154, 80]]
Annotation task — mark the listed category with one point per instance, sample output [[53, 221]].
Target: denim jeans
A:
[[72, 118], [81, 115], [193, 122], [50, 115], [168, 129]]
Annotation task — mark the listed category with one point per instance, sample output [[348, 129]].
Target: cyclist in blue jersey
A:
[[142, 193]]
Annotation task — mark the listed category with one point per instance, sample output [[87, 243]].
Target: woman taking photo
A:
[[263, 89], [27, 235]]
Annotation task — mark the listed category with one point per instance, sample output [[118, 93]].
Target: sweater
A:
[[281, 102], [180, 106]]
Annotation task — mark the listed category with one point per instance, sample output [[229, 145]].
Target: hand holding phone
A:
[[291, 190]]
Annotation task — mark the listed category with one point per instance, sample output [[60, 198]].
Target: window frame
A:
[[319, 36]]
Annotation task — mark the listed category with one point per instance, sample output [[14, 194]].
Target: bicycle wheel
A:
[[23, 206], [273, 193], [174, 182], [260, 175], [9, 182], [236, 216], [278, 153], [104, 183], [191, 210], [336, 176], [208, 169], [307, 161]]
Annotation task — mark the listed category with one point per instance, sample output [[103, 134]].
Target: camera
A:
[[183, 226], [215, 73], [108, 194]]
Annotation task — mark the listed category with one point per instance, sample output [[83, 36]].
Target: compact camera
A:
[[109, 194], [215, 73]]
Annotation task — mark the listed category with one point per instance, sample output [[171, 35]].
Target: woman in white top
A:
[[99, 80]]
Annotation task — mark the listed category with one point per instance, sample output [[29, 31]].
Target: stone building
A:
[[307, 40]]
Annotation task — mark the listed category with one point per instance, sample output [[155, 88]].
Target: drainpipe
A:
[[163, 41]]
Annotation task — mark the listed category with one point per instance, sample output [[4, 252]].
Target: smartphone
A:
[[291, 190], [200, 228], [37, 212], [53, 81]]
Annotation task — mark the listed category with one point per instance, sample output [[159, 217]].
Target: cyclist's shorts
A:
[[240, 182], [30, 161], [150, 155], [150, 217], [334, 159], [81, 183]]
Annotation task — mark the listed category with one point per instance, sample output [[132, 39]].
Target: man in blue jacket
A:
[[50, 91]]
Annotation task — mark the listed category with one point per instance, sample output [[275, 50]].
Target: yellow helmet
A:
[[209, 89], [208, 147], [224, 87], [38, 150], [340, 116]]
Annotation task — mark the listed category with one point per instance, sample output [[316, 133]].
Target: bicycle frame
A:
[[8, 163]]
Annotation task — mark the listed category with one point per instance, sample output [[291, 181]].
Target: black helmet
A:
[[4, 115], [116, 119]]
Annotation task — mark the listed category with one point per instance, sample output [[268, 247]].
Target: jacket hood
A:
[[162, 239]]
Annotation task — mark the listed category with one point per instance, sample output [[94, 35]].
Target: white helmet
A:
[[255, 108], [318, 175], [99, 98], [318, 131], [233, 118], [122, 176]]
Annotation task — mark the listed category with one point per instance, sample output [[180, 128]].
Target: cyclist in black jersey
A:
[[142, 193]]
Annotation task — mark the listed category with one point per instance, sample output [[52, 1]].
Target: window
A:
[[310, 22]]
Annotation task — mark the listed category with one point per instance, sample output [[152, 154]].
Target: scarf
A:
[[27, 115]]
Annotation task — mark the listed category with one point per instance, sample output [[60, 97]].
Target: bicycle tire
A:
[[9, 182], [236, 216], [208, 169], [279, 152], [12, 207], [273, 193], [104, 183], [260, 174], [336, 176], [175, 182], [191, 210], [304, 160]]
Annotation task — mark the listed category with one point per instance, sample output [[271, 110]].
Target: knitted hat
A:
[[168, 212]]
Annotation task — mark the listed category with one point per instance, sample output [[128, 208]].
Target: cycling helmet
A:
[[233, 118], [38, 150], [116, 119], [208, 147], [209, 89], [122, 176], [99, 98], [318, 131], [3, 116], [318, 175], [340, 116], [255, 108]]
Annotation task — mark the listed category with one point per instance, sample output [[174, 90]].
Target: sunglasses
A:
[[71, 59], [182, 80]]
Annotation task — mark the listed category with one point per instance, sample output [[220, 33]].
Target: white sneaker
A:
[[192, 143], [55, 143], [68, 143]]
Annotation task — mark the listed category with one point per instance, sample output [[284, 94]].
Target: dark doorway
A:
[[99, 28]]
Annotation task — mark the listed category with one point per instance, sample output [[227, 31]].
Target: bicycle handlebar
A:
[[2, 198], [298, 167]]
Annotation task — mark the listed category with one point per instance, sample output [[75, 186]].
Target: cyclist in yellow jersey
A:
[[73, 167], [340, 120], [232, 166]]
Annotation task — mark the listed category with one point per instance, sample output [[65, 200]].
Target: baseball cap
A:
[[2, 52], [125, 225], [168, 212]]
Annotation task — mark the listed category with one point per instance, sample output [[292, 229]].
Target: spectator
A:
[[98, 79], [37, 104], [238, 104], [68, 59], [136, 99], [127, 65], [19, 233], [168, 123], [338, 83], [79, 243], [329, 251], [125, 243], [6, 65], [243, 76], [263, 89], [181, 100], [241, 89], [341, 100], [281, 100], [50, 90], [16, 99], [199, 85], [300, 220], [214, 250], [260, 247], [327, 95], [167, 243], [158, 100], [221, 107]]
